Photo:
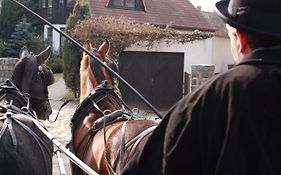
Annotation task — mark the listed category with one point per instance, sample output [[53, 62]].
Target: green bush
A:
[[71, 52], [55, 62], [2, 49]]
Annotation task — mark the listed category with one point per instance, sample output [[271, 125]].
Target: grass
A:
[[57, 76], [70, 94]]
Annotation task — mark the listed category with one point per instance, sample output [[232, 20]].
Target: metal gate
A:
[[158, 76]]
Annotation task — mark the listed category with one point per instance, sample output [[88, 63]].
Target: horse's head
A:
[[101, 101], [32, 77], [91, 72]]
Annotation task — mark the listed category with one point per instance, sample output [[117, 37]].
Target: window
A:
[[42, 4], [49, 35], [124, 3], [50, 3], [50, 9], [62, 38], [61, 3], [130, 3]]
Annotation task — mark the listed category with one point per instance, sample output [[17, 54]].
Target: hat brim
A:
[[222, 11]]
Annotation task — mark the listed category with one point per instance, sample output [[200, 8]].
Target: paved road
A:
[[60, 129]]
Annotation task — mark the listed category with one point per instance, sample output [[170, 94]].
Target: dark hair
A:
[[258, 41]]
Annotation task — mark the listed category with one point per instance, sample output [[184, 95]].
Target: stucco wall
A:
[[213, 50], [197, 52], [221, 55], [6, 68]]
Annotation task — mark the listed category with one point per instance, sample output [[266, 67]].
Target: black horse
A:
[[24, 149]]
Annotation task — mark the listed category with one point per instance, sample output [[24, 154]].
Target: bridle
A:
[[14, 98], [101, 92]]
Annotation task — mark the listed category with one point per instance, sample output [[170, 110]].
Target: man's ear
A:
[[243, 46]]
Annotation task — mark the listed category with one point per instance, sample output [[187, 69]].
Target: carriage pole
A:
[[62, 148], [94, 57]]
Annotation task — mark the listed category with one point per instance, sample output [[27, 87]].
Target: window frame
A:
[[123, 4]]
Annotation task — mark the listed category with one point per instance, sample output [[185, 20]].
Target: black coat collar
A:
[[271, 55]]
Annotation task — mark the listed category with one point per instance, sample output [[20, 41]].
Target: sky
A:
[[206, 5]]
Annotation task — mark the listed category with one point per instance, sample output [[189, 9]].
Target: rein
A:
[[102, 92]]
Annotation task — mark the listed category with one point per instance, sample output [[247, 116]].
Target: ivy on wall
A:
[[123, 32]]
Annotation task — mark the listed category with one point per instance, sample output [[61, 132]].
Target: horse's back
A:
[[24, 149], [134, 133]]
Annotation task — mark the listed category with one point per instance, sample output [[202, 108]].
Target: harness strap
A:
[[8, 124], [136, 140], [39, 141], [13, 135], [145, 133], [107, 119], [4, 126], [140, 136]]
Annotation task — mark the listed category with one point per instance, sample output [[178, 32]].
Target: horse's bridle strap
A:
[[8, 124]]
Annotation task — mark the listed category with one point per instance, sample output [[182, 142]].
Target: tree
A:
[[71, 52], [11, 14], [24, 34]]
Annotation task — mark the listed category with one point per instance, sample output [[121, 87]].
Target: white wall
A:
[[56, 36], [221, 56], [197, 52], [209, 51]]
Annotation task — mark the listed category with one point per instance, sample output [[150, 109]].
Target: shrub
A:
[[55, 62]]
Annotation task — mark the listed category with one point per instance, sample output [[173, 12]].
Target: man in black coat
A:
[[231, 125]]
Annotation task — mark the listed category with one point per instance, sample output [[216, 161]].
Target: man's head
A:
[[251, 24]]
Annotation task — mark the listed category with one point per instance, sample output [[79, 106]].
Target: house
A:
[[161, 73], [56, 12], [221, 55]]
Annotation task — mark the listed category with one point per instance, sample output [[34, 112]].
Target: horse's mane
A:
[[22, 74], [17, 73]]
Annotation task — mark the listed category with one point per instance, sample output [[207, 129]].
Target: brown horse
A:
[[24, 149], [105, 133], [91, 73]]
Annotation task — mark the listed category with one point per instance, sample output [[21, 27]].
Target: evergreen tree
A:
[[11, 14], [24, 34], [71, 53]]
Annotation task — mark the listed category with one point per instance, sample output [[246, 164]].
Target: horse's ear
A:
[[88, 45], [44, 55], [23, 52], [104, 48]]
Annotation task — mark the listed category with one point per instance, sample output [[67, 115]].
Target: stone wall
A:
[[6, 68], [200, 73]]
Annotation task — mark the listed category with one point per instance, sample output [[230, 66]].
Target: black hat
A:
[[258, 16]]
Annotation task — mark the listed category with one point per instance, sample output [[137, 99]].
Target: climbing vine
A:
[[123, 32]]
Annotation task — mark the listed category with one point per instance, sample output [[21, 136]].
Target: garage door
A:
[[158, 76]]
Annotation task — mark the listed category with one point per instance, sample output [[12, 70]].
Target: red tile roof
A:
[[180, 14]]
